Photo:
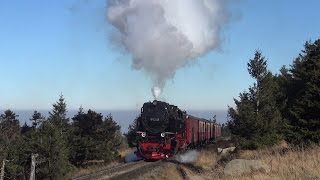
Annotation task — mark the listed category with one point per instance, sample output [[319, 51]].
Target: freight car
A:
[[164, 129]]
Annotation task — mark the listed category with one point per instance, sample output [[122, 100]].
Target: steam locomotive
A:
[[164, 130]]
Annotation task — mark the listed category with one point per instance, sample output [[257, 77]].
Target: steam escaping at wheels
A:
[[187, 157], [132, 157]]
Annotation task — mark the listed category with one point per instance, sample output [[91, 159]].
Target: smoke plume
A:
[[165, 35], [156, 91]]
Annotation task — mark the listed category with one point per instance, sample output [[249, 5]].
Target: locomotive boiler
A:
[[164, 129]]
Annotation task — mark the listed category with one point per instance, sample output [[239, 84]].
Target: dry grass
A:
[[285, 163], [291, 163], [207, 159], [169, 172], [98, 165], [88, 170]]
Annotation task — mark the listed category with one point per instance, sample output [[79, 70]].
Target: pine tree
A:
[[10, 139], [110, 139], [304, 101], [9, 129], [58, 116], [95, 138], [53, 148], [83, 142], [256, 121], [25, 128], [242, 122], [53, 152], [131, 134], [257, 68], [37, 119]]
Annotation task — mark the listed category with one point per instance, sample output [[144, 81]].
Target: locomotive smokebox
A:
[[155, 117]]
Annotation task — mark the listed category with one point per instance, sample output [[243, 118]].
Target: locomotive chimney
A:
[[155, 102]]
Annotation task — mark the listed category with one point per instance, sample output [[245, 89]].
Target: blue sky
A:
[[53, 47]]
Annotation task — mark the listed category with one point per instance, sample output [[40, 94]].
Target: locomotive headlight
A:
[[143, 134], [163, 134]]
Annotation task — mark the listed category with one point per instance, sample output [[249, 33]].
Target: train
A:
[[164, 130]]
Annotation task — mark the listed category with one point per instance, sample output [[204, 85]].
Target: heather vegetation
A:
[[283, 106], [59, 144]]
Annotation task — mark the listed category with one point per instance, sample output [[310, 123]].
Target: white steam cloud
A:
[[188, 157], [165, 35], [156, 91]]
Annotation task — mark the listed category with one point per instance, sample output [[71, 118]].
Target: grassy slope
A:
[[285, 163]]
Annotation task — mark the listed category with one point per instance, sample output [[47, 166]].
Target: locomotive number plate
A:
[[154, 119]]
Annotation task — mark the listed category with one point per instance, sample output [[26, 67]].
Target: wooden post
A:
[[33, 167], [2, 169]]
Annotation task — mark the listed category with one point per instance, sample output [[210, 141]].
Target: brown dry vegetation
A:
[[89, 170], [98, 165], [285, 163], [288, 164], [169, 172], [207, 159]]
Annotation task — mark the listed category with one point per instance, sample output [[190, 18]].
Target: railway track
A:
[[182, 167], [123, 171]]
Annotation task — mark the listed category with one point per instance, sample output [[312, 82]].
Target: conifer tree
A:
[[58, 115], [131, 134], [95, 138], [53, 152], [9, 129], [304, 100], [257, 68], [9, 142], [36, 119], [53, 147], [256, 121]]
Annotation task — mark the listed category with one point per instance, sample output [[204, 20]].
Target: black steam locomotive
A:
[[164, 129], [158, 117]]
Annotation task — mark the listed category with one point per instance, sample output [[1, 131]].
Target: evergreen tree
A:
[[53, 153], [9, 125], [53, 146], [304, 100], [256, 121], [95, 138], [58, 116], [110, 139], [242, 122], [25, 128], [285, 88], [84, 127], [257, 68], [225, 131], [37, 119], [131, 134], [9, 142], [9, 130]]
